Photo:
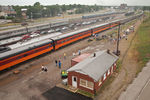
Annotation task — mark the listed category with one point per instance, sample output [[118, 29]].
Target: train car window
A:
[[47, 47], [25, 55], [58, 42], [19, 57]]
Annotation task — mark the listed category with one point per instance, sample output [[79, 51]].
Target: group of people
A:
[[58, 63], [44, 68]]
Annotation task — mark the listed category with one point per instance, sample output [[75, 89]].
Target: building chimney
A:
[[108, 51], [94, 55]]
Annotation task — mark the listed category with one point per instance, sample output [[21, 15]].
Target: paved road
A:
[[140, 87], [57, 93]]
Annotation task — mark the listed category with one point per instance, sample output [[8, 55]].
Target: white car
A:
[[51, 31], [77, 24], [58, 29], [71, 25], [34, 35], [64, 28]]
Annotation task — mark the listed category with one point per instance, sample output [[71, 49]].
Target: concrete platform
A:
[[140, 87]]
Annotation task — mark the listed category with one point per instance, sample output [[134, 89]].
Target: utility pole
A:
[[27, 29], [118, 52], [31, 16], [50, 25]]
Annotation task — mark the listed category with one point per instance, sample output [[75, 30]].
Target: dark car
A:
[[24, 23], [4, 49]]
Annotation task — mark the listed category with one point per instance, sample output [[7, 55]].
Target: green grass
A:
[[86, 93], [143, 43], [8, 24]]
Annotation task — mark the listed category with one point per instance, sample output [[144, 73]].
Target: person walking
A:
[[79, 52], [59, 63], [42, 68], [45, 69], [73, 54], [64, 55], [56, 62]]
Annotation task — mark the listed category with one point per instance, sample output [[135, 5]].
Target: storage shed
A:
[[80, 58], [89, 74]]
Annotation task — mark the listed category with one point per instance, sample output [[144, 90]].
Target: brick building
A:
[[7, 11], [89, 74], [78, 59]]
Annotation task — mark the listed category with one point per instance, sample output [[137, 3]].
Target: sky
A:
[[86, 2]]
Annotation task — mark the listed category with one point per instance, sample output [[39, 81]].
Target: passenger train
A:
[[24, 53]]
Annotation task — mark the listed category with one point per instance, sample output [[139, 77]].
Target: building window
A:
[[112, 69], [82, 82], [90, 85], [104, 76], [86, 84]]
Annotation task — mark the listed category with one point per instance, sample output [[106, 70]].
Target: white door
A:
[[74, 81]]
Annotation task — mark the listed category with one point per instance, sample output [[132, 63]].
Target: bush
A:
[[16, 20], [9, 17], [2, 17]]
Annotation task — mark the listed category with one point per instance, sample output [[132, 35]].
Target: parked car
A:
[[71, 25], [34, 35], [77, 24], [25, 37], [64, 28], [4, 49], [58, 29], [43, 32], [51, 31], [24, 23]]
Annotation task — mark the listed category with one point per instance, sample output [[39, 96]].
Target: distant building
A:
[[7, 11], [90, 74], [71, 11], [24, 10], [123, 6]]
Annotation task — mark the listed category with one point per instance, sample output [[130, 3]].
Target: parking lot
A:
[[57, 93]]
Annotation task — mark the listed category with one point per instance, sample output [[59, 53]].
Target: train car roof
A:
[[76, 32], [19, 44], [95, 26], [11, 30], [70, 34], [23, 48], [7, 41]]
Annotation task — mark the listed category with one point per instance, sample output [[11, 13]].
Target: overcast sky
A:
[[88, 2]]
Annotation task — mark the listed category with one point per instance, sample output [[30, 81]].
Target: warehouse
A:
[[89, 74]]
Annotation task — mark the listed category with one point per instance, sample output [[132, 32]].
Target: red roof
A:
[[81, 57]]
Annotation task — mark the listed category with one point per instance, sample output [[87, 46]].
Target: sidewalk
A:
[[137, 90]]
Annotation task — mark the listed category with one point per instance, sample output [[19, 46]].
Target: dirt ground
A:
[[31, 82], [127, 72]]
